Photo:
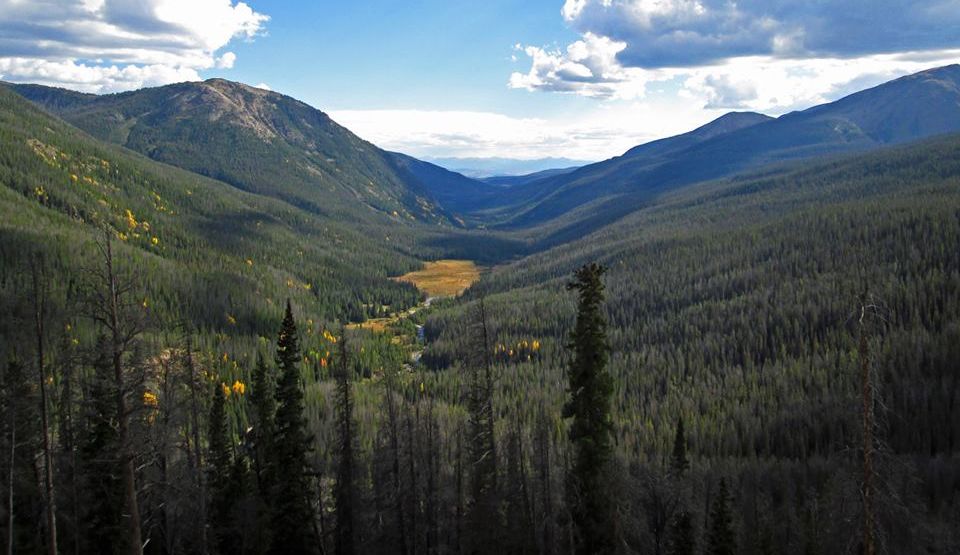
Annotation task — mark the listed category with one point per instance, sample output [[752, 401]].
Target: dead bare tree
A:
[[39, 313], [13, 461], [111, 303], [868, 310]]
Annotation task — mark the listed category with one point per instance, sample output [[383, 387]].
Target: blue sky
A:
[[393, 55], [584, 79]]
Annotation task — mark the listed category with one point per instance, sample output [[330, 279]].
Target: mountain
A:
[[512, 180], [257, 140], [480, 168], [906, 109], [224, 257], [452, 190]]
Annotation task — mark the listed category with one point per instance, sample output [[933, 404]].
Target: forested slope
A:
[[208, 252], [259, 141], [735, 306]]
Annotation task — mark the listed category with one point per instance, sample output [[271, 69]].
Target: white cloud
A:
[[263, 86], [591, 67], [111, 45], [227, 60], [92, 78], [774, 86], [605, 131], [689, 33], [765, 55]]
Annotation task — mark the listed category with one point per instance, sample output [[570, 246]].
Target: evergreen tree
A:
[[291, 514], [483, 517], [345, 493], [678, 460], [264, 404], [681, 540], [721, 539], [590, 388], [264, 408], [220, 470], [99, 457], [22, 503]]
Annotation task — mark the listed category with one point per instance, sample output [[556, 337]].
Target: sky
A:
[[526, 79]]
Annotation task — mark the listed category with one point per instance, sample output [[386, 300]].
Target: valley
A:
[[259, 272], [443, 278]]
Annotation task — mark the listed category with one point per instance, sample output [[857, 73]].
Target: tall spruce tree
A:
[[220, 467], [681, 539], [680, 534], [21, 440], [264, 402], [264, 405], [678, 460], [291, 513], [483, 515], [98, 458], [345, 493], [721, 539], [590, 388]]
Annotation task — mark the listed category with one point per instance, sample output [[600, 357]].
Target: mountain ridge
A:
[[913, 107], [257, 140]]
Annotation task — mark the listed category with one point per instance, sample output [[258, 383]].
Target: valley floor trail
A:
[[441, 278]]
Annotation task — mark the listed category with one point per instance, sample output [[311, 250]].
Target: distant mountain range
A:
[[271, 144], [906, 109], [480, 168]]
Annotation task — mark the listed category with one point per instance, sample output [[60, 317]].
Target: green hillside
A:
[[257, 140], [733, 305], [207, 250]]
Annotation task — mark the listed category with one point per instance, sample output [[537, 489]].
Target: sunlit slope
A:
[[223, 257]]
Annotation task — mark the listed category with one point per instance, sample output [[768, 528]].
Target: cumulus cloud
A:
[[227, 60], [683, 33], [768, 55], [111, 45], [774, 86]]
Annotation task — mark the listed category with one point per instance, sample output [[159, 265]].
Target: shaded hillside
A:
[[513, 180], [458, 194], [906, 109]]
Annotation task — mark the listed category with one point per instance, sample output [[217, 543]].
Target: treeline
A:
[[122, 438], [128, 441], [732, 306]]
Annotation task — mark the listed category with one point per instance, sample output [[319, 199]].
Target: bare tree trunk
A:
[[395, 469], [13, 460], [459, 478], [39, 301], [488, 378], [68, 446], [414, 493], [869, 545], [529, 512], [543, 440], [128, 470], [198, 455]]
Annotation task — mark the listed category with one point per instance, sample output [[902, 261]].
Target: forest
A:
[[759, 364]]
